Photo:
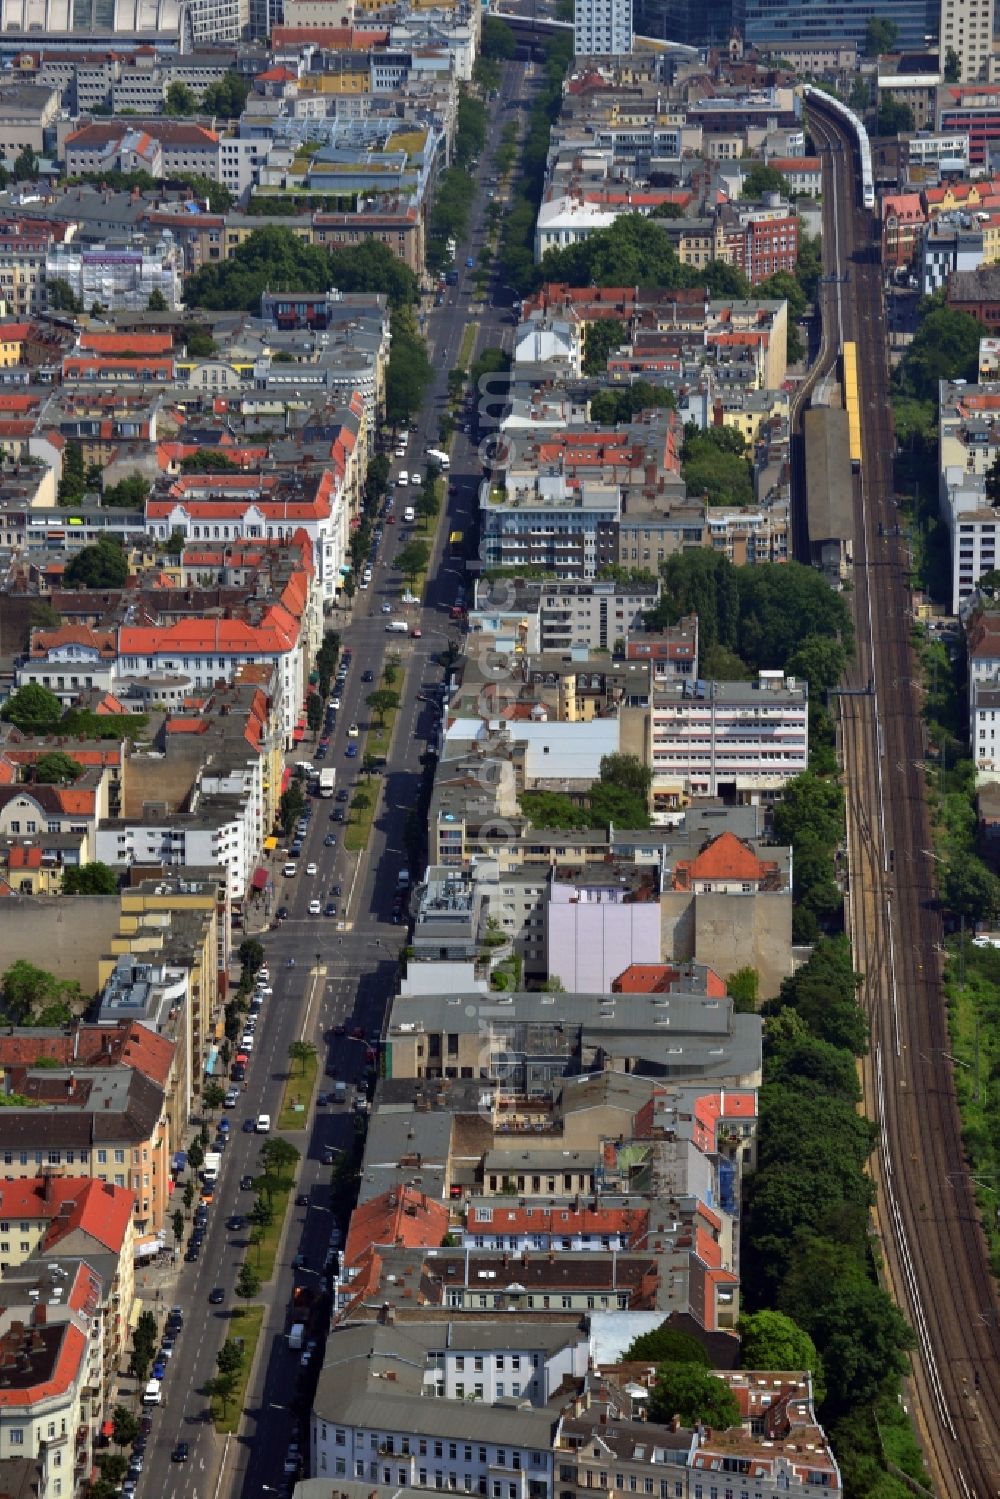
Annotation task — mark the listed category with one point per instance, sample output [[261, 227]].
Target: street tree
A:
[[412, 559], [381, 702], [251, 954], [177, 1224], [247, 1282], [221, 1387], [229, 1359], [279, 1158], [301, 1052], [124, 1426], [213, 1095], [195, 1155]]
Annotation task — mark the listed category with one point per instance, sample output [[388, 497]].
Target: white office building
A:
[[602, 28]]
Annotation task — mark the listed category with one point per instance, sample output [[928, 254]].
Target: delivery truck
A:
[[327, 780], [211, 1168]]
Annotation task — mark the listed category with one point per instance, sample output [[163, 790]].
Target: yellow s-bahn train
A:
[[850, 374]]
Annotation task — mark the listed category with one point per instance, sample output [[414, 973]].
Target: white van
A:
[[263, 1125], [409, 515], [397, 627], [153, 1393], [403, 479]]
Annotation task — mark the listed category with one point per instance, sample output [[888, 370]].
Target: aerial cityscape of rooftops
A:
[[499, 781]]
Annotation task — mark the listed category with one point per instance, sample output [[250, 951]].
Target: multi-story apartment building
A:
[[52, 1396], [122, 276], [24, 246], [761, 241], [264, 506], [371, 1417], [602, 28], [528, 616], [968, 444], [167, 148], [747, 739], [109, 1123]]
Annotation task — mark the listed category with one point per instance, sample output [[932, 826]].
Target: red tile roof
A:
[[67, 1367], [725, 858], [126, 343], [101, 1211], [71, 1202], [401, 1216], [658, 978]]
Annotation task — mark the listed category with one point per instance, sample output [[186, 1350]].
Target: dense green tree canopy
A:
[[101, 565], [33, 709], [764, 613], [32, 996], [56, 769], [90, 879], [761, 179], [129, 493], [691, 1393], [944, 347], [498, 41], [715, 468], [771, 1340], [667, 1345]]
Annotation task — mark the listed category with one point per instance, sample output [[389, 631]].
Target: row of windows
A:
[[69, 1158]]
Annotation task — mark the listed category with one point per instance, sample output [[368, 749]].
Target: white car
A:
[[403, 479], [290, 869], [353, 732], [246, 1041], [263, 1125], [310, 868], [232, 1098], [335, 704], [386, 608], [314, 908]]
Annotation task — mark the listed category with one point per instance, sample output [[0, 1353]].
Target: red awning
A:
[[286, 776], [108, 1429], [260, 878], [298, 735]]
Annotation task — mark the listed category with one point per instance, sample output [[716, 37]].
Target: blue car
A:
[[352, 752], [469, 262], [159, 1368], [223, 1126]]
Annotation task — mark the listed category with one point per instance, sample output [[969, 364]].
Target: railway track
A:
[[935, 1257]]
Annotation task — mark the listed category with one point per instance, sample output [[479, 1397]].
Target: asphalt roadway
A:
[[345, 967]]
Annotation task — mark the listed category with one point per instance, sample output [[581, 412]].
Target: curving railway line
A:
[[934, 1252]]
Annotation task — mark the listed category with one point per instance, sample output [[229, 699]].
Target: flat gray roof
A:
[[829, 487]]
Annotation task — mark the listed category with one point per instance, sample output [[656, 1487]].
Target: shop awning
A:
[[270, 844], [108, 1429], [210, 1060], [298, 735], [147, 1247], [286, 776], [260, 878]]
